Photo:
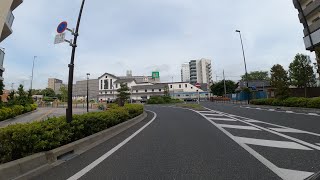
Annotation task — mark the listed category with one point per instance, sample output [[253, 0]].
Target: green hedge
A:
[[16, 110], [162, 100], [290, 102], [20, 140]]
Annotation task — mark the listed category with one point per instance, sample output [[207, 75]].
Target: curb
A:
[[30, 166]]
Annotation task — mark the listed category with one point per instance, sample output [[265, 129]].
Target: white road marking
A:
[[253, 121], [271, 110], [289, 112], [258, 108], [213, 114], [295, 175], [205, 112], [222, 119], [318, 144], [238, 127], [254, 153], [272, 143], [313, 114], [109, 153], [287, 130]]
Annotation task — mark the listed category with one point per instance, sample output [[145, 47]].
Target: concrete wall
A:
[[4, 10]]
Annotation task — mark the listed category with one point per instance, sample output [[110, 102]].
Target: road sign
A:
[[62, 27], [198, 85], [155, 75], [60, 38]]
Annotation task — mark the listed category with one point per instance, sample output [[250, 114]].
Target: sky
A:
[[148, 35]]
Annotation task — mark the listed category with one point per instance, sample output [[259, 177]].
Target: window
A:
[[152, 90], [137, 91], [171, 86], [186, 85], [106, 84], [101, 84], [116, 85], [179, 85], [111, 85], [145, 90], [160, 90], [191, 87], [316, 19]]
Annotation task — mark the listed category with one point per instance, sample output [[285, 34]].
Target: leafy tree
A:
[[166, 91], [218, 88], [256, 75], [11, 99], [48, 92], [36, 92], [1, 92], [123, 94], [301, 72], [280, 81], [64, 93], [22, 98], [30, 99]]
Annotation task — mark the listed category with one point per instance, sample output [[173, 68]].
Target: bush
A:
[[15, 110], [290, 102], [20, 140], [162, 100]]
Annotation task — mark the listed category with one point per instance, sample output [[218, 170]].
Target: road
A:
[[41, 114], [223, 142]]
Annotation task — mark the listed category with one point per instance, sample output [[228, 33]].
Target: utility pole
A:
[[34, 58], [71, 65], [88, 74], [225, 88], [172, 87]]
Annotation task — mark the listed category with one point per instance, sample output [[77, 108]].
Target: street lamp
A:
[[34, 58], [88, 74], [71, 66], [245, 63]]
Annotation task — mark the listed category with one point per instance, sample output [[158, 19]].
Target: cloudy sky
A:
[[147, 35]]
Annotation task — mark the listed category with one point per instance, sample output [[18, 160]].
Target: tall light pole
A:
[[88, 74], [172, 87], [224, 84], [71, 66], [245, 63], [34, 58]]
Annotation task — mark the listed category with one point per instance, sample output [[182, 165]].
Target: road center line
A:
[[109, 153]]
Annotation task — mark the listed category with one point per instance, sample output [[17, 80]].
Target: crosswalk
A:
[[280, 139]]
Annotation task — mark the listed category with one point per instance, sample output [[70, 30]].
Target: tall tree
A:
[[218, 88], [48, 92], [64, 93], [123, 94], [22, 98], [301, 72], [280, 81], [256, 75], [1, 92]]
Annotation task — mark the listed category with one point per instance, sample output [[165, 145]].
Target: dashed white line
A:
[[272, 143], [258, 108], [289, 112], [239, 127], [213, 114], [109, 153], [222, 119], [313, 114], [271, 110]]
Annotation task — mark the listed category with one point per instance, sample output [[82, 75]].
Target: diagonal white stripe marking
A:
[[272, 143], [222, 119], [253, 121], [318, 144], [287, 130], [295, 175], [313, 114], [95, 163], [213, 114], [289, 111], [205, 112], [238, 127]]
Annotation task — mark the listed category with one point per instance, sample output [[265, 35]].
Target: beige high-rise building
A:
[[6, 21], [55, 84]]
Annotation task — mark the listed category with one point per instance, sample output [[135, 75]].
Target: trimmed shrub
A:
[[16, 110], [162, 100], [314, 103], [290, 102], [20, 140]]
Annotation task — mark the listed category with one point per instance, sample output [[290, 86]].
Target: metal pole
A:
[[245, 63], [225, 88], [172, 87], [34, 58], [88, 74], [71, 66]]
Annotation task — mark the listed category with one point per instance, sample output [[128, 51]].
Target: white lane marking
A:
[[109, 153], [213, 114], [254, 153], [313, 114], [289, 130], [205, 112], [258, 108], [222, 119], [296, 175], [253, 121], [238, 127], [271, 110], [274, 132], [318, 144], [272, 143], [289, 112]]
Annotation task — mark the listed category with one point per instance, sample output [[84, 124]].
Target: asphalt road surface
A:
[[223, 142]]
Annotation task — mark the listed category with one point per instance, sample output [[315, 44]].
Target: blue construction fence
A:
[[242, 96]]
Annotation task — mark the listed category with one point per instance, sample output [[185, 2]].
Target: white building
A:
[[185, 72], [200, 71]]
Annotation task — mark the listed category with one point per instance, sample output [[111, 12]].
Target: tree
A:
[[1, 92], [123, 94], [280, 81], [256, 75], [166, 91], [64, 93], [48, 92], [11, 99], [301, 72], [218, 88], [22, 98]]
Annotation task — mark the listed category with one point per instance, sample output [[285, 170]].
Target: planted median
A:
[[21, 140], [290, 102]]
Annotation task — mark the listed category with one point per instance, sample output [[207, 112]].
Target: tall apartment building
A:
[[55, 84], [185, 72], [6, 21], [309, 16], [200, 71]]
